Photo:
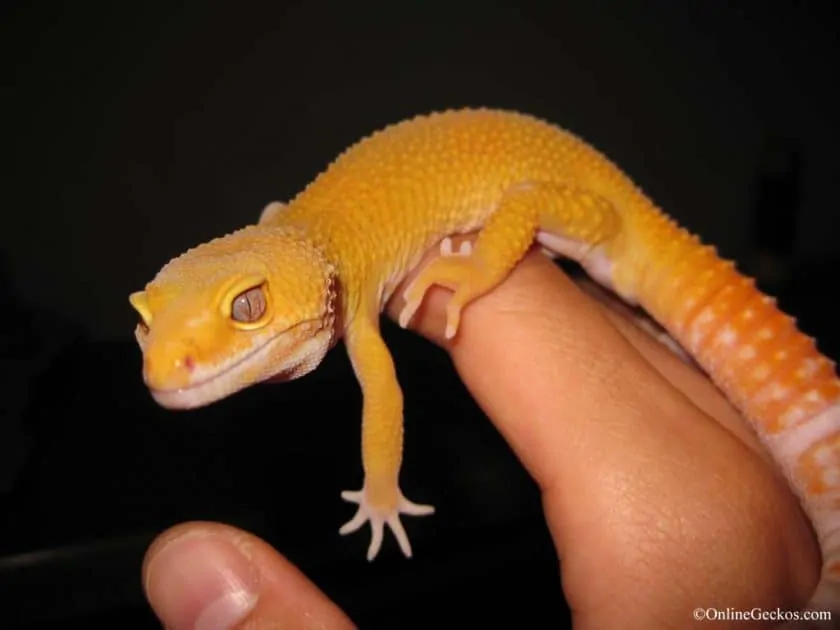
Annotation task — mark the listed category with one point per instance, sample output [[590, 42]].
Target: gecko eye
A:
[[249, 306]]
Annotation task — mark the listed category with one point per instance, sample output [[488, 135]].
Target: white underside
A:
[[790, 444], [592, 259]]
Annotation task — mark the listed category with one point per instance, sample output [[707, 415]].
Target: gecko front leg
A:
[[380, 500]]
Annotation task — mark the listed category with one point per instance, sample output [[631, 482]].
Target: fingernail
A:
[[201, 583]]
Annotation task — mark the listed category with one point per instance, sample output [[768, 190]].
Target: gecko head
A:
[[254, 305]]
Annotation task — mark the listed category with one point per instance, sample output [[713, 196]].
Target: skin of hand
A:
[[658, 496]]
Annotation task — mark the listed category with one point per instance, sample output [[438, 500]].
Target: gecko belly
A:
[[593, 260]]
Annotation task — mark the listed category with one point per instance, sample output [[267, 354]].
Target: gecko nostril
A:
[[189, 363]]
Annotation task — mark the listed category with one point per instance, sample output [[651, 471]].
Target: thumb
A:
[[208, 576]]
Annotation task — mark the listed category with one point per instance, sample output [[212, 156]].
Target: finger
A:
[[553, 355], [606, 432], [686, 377], [488, 316], [208, 576]]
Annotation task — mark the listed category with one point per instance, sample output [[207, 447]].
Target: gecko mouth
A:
[[223, 380]]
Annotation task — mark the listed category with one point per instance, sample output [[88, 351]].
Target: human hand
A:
[[657, 495]]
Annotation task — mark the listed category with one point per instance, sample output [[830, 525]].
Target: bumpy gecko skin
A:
[[268, 301]]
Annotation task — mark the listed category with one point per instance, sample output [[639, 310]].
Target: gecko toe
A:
[[415, 509], [352, 496], [407, 313], [377, 527], [354, 523], [399, 533]]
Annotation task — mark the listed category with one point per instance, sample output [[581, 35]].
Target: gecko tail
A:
[[767, 367]]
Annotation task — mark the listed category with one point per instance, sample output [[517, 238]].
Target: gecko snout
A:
[[169, 367]]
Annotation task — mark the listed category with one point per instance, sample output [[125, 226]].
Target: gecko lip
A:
[[222, 382]]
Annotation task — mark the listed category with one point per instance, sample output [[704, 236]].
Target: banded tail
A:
[[770, 370]]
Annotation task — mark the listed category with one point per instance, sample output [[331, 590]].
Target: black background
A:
[[136, 130]]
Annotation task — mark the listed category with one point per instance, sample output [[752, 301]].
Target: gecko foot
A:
[[440, 271], [379, 517], [465, 275]]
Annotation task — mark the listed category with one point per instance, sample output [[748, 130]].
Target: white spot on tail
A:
[[726, 337], [746, 353], [789, 444], [761, 372], [823, 455], [792, 416], [779, 392], [774, 392], [831, 475], [813, 396], [809, 367], [699, 327]]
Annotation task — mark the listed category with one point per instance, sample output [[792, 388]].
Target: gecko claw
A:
[[465, 249], [379, 517], [408, 312]]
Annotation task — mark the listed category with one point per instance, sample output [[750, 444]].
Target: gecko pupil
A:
[[248, 306]]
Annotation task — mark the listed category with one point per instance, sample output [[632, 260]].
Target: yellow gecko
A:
[[269, 300]]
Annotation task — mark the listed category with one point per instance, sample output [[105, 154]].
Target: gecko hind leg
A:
[[571, 213]]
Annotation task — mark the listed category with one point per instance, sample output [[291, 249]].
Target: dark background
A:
[[136, 130]]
